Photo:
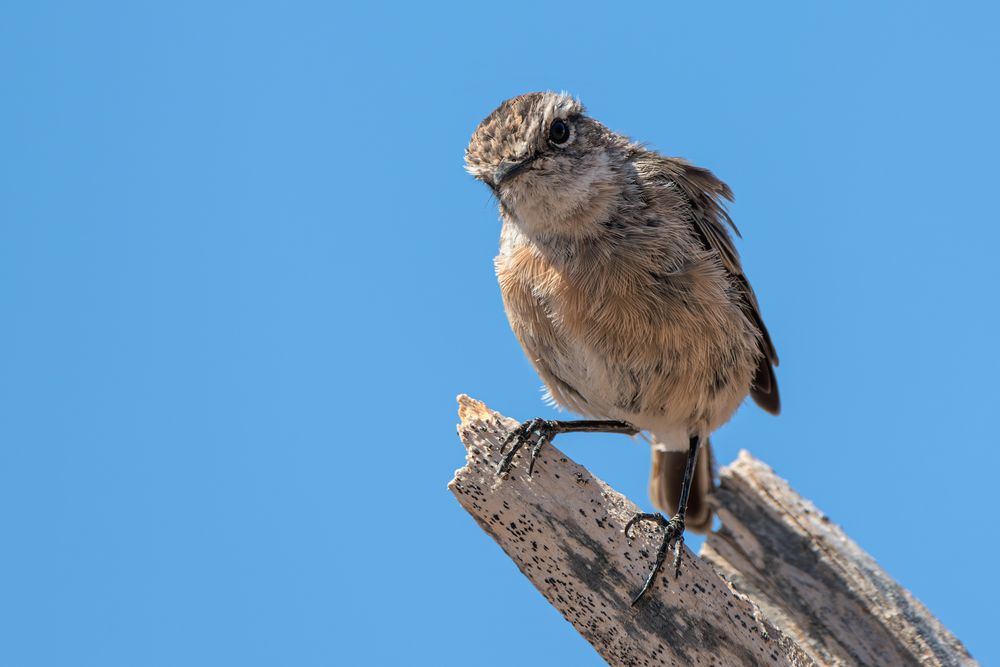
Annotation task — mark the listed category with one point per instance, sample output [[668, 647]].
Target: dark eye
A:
[[558, 131]]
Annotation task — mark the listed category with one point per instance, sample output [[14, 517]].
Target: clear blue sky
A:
[[243, 276]]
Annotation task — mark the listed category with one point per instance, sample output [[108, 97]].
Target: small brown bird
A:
[[621, 281]]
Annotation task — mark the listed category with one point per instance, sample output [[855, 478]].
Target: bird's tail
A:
[[665, 483]]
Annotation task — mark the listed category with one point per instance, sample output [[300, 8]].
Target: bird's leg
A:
[[673, 530], [544, 430]]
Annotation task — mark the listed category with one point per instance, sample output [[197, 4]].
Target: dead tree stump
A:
[[802, 593]]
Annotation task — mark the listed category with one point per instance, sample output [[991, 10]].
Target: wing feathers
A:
[[705, 194]]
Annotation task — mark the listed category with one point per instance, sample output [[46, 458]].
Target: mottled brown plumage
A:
[[621, 281]]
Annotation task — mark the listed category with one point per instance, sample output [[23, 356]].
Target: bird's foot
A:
[[536, 430], [539, 431], [673, 534]]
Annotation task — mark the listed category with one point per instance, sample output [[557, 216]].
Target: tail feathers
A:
[[764, 389], [665, 480]]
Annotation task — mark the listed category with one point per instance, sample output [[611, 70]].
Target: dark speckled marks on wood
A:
[[591, 564], [796, 555], [563, 528]]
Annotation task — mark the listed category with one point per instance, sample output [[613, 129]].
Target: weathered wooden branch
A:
[[830, 603]]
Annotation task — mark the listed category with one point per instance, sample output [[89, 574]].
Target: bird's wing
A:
[[705, 194]]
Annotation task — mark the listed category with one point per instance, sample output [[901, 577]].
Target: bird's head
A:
[[554, 170]]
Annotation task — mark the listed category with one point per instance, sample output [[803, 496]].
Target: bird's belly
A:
[[647, 357], [649, 384]]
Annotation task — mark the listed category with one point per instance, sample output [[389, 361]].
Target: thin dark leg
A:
[[673, 530], [544, 430], [693, 446]]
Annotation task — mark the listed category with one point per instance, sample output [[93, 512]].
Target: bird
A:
[[622, 283]]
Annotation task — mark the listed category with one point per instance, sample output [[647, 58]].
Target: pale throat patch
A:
[[571, 204]]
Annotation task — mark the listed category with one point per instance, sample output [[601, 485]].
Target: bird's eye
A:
[[558, 131]]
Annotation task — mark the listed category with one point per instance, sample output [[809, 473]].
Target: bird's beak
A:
[[507, 170]]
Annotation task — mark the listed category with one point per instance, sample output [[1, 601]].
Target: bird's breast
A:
[[613, 342]]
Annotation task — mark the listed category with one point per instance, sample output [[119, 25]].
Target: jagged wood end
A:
[[564, 529], [812, 580]]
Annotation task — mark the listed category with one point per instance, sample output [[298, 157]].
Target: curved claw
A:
[[544, 430], [645, 587], [507, 461], [673, 533], [510, 438], [542, 439], [678, 543], [645, 516], [520, 436]]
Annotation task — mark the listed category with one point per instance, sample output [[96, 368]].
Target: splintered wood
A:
[[564, 528], [814, 581]]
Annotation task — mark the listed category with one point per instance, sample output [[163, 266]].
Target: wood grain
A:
[[830, 602], [563, 528], [815, 582]]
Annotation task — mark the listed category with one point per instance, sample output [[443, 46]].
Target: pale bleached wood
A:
[[815, 582], [563, 528]]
